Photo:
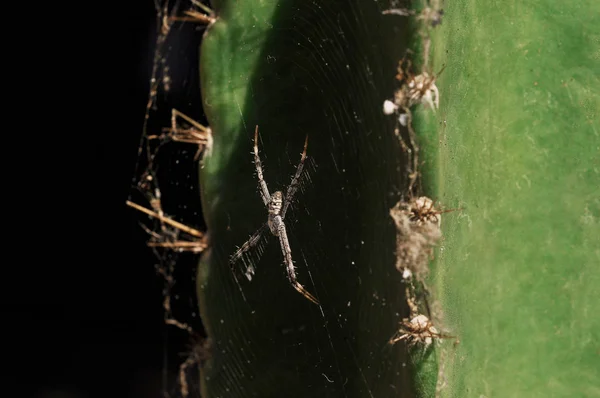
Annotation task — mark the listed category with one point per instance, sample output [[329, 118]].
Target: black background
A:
[[85, 303]]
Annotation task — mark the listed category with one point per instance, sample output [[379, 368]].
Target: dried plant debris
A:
[[428, 18], [168, 237], [174, 236], [414, 88], [192, 133], [195, 241], [199, 353], [417, 220], [418, 231], [170, 233], [199, 13], [430, 15]]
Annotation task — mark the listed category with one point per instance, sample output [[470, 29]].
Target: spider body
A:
[[277, 205], [422, 89], [275, 220], [418, 330], [422, 210], [414, 89]]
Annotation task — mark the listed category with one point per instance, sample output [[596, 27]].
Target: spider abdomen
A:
[[275, 220], [275, 204], [275, 223]]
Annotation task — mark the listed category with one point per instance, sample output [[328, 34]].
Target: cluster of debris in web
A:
[[171, 148], [417, 219]]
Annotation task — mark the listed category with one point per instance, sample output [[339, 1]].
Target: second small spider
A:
[[277, 205]]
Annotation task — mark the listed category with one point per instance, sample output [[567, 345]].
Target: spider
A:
[[419, 329], [418, 231], [200, 352], [277, 205], [421, 210], [422, 88], [414, 89]]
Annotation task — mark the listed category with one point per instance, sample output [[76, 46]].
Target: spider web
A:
[[323, 341], [339, 348]]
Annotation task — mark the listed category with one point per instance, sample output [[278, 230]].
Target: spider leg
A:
[[436, 101], [289, 264], [304, 292], [440, 72], [264, 191], [427, 99], [394, 340], [250, 243], [293, 187]]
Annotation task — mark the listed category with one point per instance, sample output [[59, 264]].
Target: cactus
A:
[[297, 70], [516, 144], [513, 148]]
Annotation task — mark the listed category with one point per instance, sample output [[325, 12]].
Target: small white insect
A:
[[389, 107], [406, 274], [403, 119]]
